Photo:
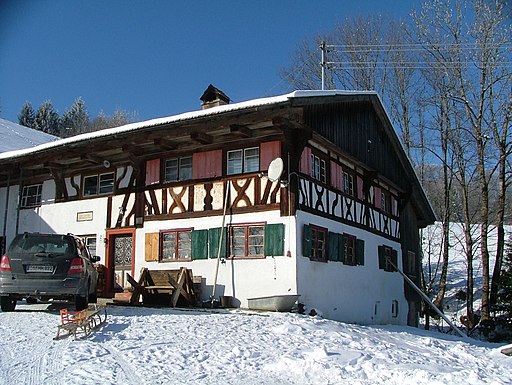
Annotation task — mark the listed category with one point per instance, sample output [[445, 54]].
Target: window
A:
[[90, 242], [175, 245], [387, 258], [348, 183], [99, 184], [411, 263], [243, 161], [314, 243], [178, 169], [394, 308], [385, 201], [318, 168], [349, 250], [31, 195], [246, 241]]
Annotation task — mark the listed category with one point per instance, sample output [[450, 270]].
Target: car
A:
[[47, 266]]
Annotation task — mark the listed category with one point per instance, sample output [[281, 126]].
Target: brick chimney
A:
[[213, 97]]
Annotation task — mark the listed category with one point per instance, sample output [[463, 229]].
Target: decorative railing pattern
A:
[[333, 204]]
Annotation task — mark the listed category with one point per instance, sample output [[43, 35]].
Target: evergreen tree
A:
[[26, 115], [46, 119], [76, 120]]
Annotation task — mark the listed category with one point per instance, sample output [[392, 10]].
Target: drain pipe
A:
[[425, 297], [221, 237]]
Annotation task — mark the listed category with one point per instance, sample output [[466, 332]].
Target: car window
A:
[[42, 244]]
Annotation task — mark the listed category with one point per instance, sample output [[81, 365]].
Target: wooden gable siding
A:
[[356, 129]]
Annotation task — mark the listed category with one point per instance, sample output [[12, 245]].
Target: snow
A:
[[254, 103], [16, 137], [173, 346]]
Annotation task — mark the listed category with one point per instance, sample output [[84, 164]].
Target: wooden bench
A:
[[164, 287], [84, 321]]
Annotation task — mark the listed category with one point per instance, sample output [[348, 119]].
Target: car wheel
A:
[[31, 300], [7, 303]]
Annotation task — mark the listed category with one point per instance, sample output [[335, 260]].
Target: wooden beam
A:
[[165, 144], [201, 137], [241, 130]]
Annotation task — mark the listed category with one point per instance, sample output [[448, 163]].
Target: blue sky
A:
[[156, 58]]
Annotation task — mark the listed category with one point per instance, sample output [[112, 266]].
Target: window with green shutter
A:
[[387, 254], [200, 244], [333, 248], [314, 243], [274, 239], [360, 252], [306, 241]]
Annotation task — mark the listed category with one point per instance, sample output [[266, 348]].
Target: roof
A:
[[180, 118], [15, 137]]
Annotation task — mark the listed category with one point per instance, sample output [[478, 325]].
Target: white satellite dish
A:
[[275, 169]]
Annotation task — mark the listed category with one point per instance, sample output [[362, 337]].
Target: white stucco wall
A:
[[357, 294], [243, 278]]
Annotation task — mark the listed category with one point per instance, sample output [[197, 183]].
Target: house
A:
[[193, 189]]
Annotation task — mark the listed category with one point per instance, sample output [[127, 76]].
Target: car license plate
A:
[[39, 269]]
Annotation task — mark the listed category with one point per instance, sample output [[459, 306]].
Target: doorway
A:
[[120, 258]]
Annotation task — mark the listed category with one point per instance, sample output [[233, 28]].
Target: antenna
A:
[[275, 169]]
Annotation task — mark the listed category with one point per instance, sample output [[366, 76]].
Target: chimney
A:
[[213, 97]]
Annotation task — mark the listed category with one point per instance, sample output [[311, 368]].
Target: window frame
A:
[[316, 243], [385, 201], [387, 251], [318, 168], [244, 159], [349, 183], [349, 249], [177, 242], [26, 196], [180, 168], [98, 187], [247, 236]]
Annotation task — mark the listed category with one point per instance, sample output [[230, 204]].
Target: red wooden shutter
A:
[[377, 197], [336, 176], [268, 152], [360, 193], [152, 171], [305, 161], [207, 164]]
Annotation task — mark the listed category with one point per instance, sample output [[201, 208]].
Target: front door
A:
[[120, 258]]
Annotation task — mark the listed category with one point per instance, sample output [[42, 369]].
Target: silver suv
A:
[[47, 266]]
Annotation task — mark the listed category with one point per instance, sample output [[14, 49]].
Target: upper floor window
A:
[[99, 184], [243, 161], [385, 201], [348, 183], [175, 244], [246, 241], [178, 169], [318, 168], [31, 195]]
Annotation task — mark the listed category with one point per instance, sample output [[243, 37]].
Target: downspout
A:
[[4, 232], [19, 203]]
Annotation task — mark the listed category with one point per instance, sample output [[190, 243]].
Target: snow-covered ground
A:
[[168, 346]]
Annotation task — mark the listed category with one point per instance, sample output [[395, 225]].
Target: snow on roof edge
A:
[[181, 117]]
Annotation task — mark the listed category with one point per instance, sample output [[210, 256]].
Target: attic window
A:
[[243, 161]]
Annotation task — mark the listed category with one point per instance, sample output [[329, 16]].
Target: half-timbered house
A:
[[191, 189]]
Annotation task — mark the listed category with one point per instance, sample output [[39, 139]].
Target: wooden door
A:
[[120, 258]]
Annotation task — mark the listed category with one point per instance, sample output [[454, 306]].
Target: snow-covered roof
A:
[[14, 137], [180, 118]]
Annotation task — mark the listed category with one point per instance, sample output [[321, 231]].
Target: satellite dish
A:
[[275, 169], [106, 164]]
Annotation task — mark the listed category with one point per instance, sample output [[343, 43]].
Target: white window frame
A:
[[241, 161], [31, 198], [101, 187], [183, 168]]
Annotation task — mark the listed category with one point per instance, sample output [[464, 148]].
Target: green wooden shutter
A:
[[306, 241], [213, 240], [394, 259], [382, 257], [333, 246], [360, 252], [274, 239], [200, 244]]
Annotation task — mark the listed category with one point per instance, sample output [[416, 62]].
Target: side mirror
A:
[[95, 258]]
